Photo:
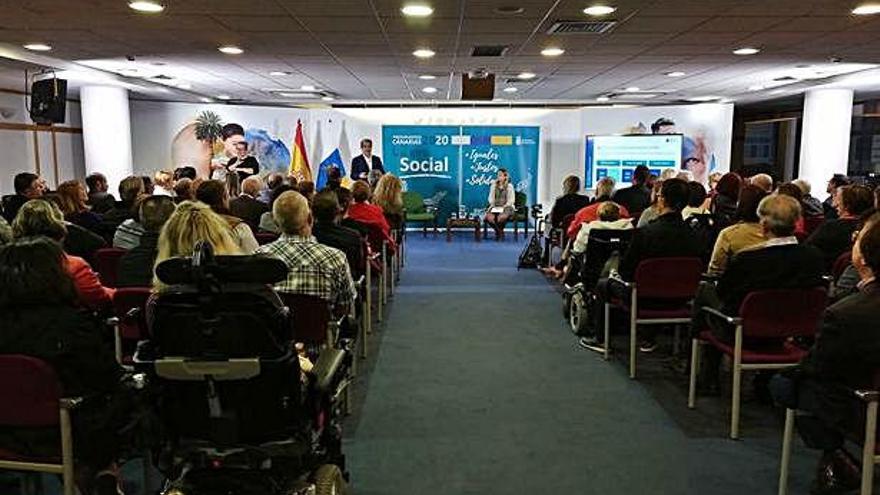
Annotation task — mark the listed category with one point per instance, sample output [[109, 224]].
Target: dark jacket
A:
[[101, 202], [362, 229], [248, 162], [113, 219], [248, 209], [11, 205], [635, 198], [666, 237], [359, 166], [830, 210], [86, 220], [135, 268], [723, 210], [833, 238], [812, 207], [347, 240], [847, 350], [567, 204], [82, 242], [775, 267]]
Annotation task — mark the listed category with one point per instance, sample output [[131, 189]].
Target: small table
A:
[[463, 223]]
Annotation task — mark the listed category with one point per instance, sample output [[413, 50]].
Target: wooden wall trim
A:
[[16, 126]]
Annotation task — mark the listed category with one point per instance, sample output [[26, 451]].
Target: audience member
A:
[[163, 183], [213, 194], [714, 178], [635, 198], [373, 178], [325, 208], [233, 185], [136, 266], [587, 214], [696, 200], [273, 180], [685, 175], [744, 234], [99, 199], [829, 205], [193, 222], [779, 263], [369, 214], [812, 206], [652, 211], [42, 318], [345, 198], [149, 187], [569, 203], [763, 181], [389, 196], [846, 353], [313, 269], [184, 190], [27, 186], [724, 203], [72, 200], [42, 218], [128, 234], [79, 241], [130, 190], [334, 179], [609, 219], [246, 206], [834, 237], [185, 173], [791, 190], [502, 203], [267, 222], [6, 235], [307, 189]]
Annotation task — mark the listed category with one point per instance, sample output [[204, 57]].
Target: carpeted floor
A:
[[479, 388]]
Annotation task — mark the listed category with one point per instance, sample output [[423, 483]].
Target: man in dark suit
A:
[[366, 161], [99, 199], [326, 210], [667, 236], [136, 266], [846, 353], [636, 197], [246, 206]]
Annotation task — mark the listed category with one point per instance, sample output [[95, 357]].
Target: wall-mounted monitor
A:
[[618, 156]]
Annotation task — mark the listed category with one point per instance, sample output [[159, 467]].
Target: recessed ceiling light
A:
[[224, 97], [184, 85], [525, 75], [307, 87], [509, 10], [703, 99], [327, 98], [429, 89], [424, 53], [417, 10], [146, 6], [603, 99], [756, 87], [599, 10], [510, 89], [867, 9], [747, 50], [632, 89], [206, 100], [676, 73], [427, 77], [38, 47], [279, 73], [231, 50], [553, 51]]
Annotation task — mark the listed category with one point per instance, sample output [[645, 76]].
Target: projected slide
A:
[[618, 156]]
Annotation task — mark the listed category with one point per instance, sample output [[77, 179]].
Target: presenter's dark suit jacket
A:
[[359, 166], [666, 237], [775, 267]]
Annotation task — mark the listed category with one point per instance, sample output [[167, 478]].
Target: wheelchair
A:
[[589, 267], [235, 415]]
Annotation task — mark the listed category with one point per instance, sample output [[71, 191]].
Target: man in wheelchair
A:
[[236, 413]]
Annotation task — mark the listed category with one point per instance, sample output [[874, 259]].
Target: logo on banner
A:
[[502, 140]]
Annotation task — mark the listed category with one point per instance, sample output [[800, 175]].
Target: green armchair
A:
[[417, 212]]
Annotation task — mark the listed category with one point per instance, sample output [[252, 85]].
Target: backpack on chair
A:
[[531, 255]]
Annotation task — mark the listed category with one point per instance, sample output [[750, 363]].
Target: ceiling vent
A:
[[581, 27], [489, 51]]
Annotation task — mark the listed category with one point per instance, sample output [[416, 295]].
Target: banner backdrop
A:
[[455, 165]]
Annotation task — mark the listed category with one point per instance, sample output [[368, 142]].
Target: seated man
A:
[[667, 236], [136, 266], [834, 237], [325, 208], [99, 199], [604, 189], [27, 186], [778, 263], [313, 269], [846, 353], [636, 197], [246, 206]]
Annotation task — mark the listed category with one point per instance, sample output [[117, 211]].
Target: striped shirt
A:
[[313, 269]]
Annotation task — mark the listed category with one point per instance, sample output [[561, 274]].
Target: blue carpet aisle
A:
[[479, 388]]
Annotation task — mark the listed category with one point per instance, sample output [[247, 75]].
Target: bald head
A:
[[292, 215], [778, 215], [252, 185]]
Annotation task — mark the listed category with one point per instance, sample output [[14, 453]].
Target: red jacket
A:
[[373, 216], [588, 214], [92, 294]]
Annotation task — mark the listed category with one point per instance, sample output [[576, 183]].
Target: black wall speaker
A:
[[49, 101], [473, 88]]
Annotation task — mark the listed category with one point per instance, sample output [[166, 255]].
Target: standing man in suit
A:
[[366, 161]]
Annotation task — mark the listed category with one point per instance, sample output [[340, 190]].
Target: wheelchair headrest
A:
[[222, 269]]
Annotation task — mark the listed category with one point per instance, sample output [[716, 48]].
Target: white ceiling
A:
[[360, 50]]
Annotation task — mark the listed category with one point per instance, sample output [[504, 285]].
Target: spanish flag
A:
[[299, 160]]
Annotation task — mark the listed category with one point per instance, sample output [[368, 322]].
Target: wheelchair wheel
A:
[[566, 303], [329, 481], [578, 317]]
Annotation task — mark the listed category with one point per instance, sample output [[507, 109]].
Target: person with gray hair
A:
[[812, 206], [246, 206], [763, 181], [587, 214], [778, 263], [135, 267]]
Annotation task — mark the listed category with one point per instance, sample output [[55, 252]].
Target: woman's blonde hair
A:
[[69, 199], [192, 222], [388, 194], [39, 217], [164, 178]]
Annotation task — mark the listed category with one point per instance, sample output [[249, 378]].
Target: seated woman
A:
[[697, 201], [213, 193], [42, 318], [744, 234], [363, 211], [502, 199], [72, 199], [389, 196], [42, 218], [569, 203]]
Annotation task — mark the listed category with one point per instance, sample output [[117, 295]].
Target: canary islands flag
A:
[[299, 160], [334, 159]]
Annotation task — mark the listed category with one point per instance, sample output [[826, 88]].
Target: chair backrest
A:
[[668, 278], [413, 202], [310, 316], [107, 264], [29, 392], [520, 200], [602, 244], [264, 238], [129, 305], [783, 312], [812, 223], [840, 264]]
